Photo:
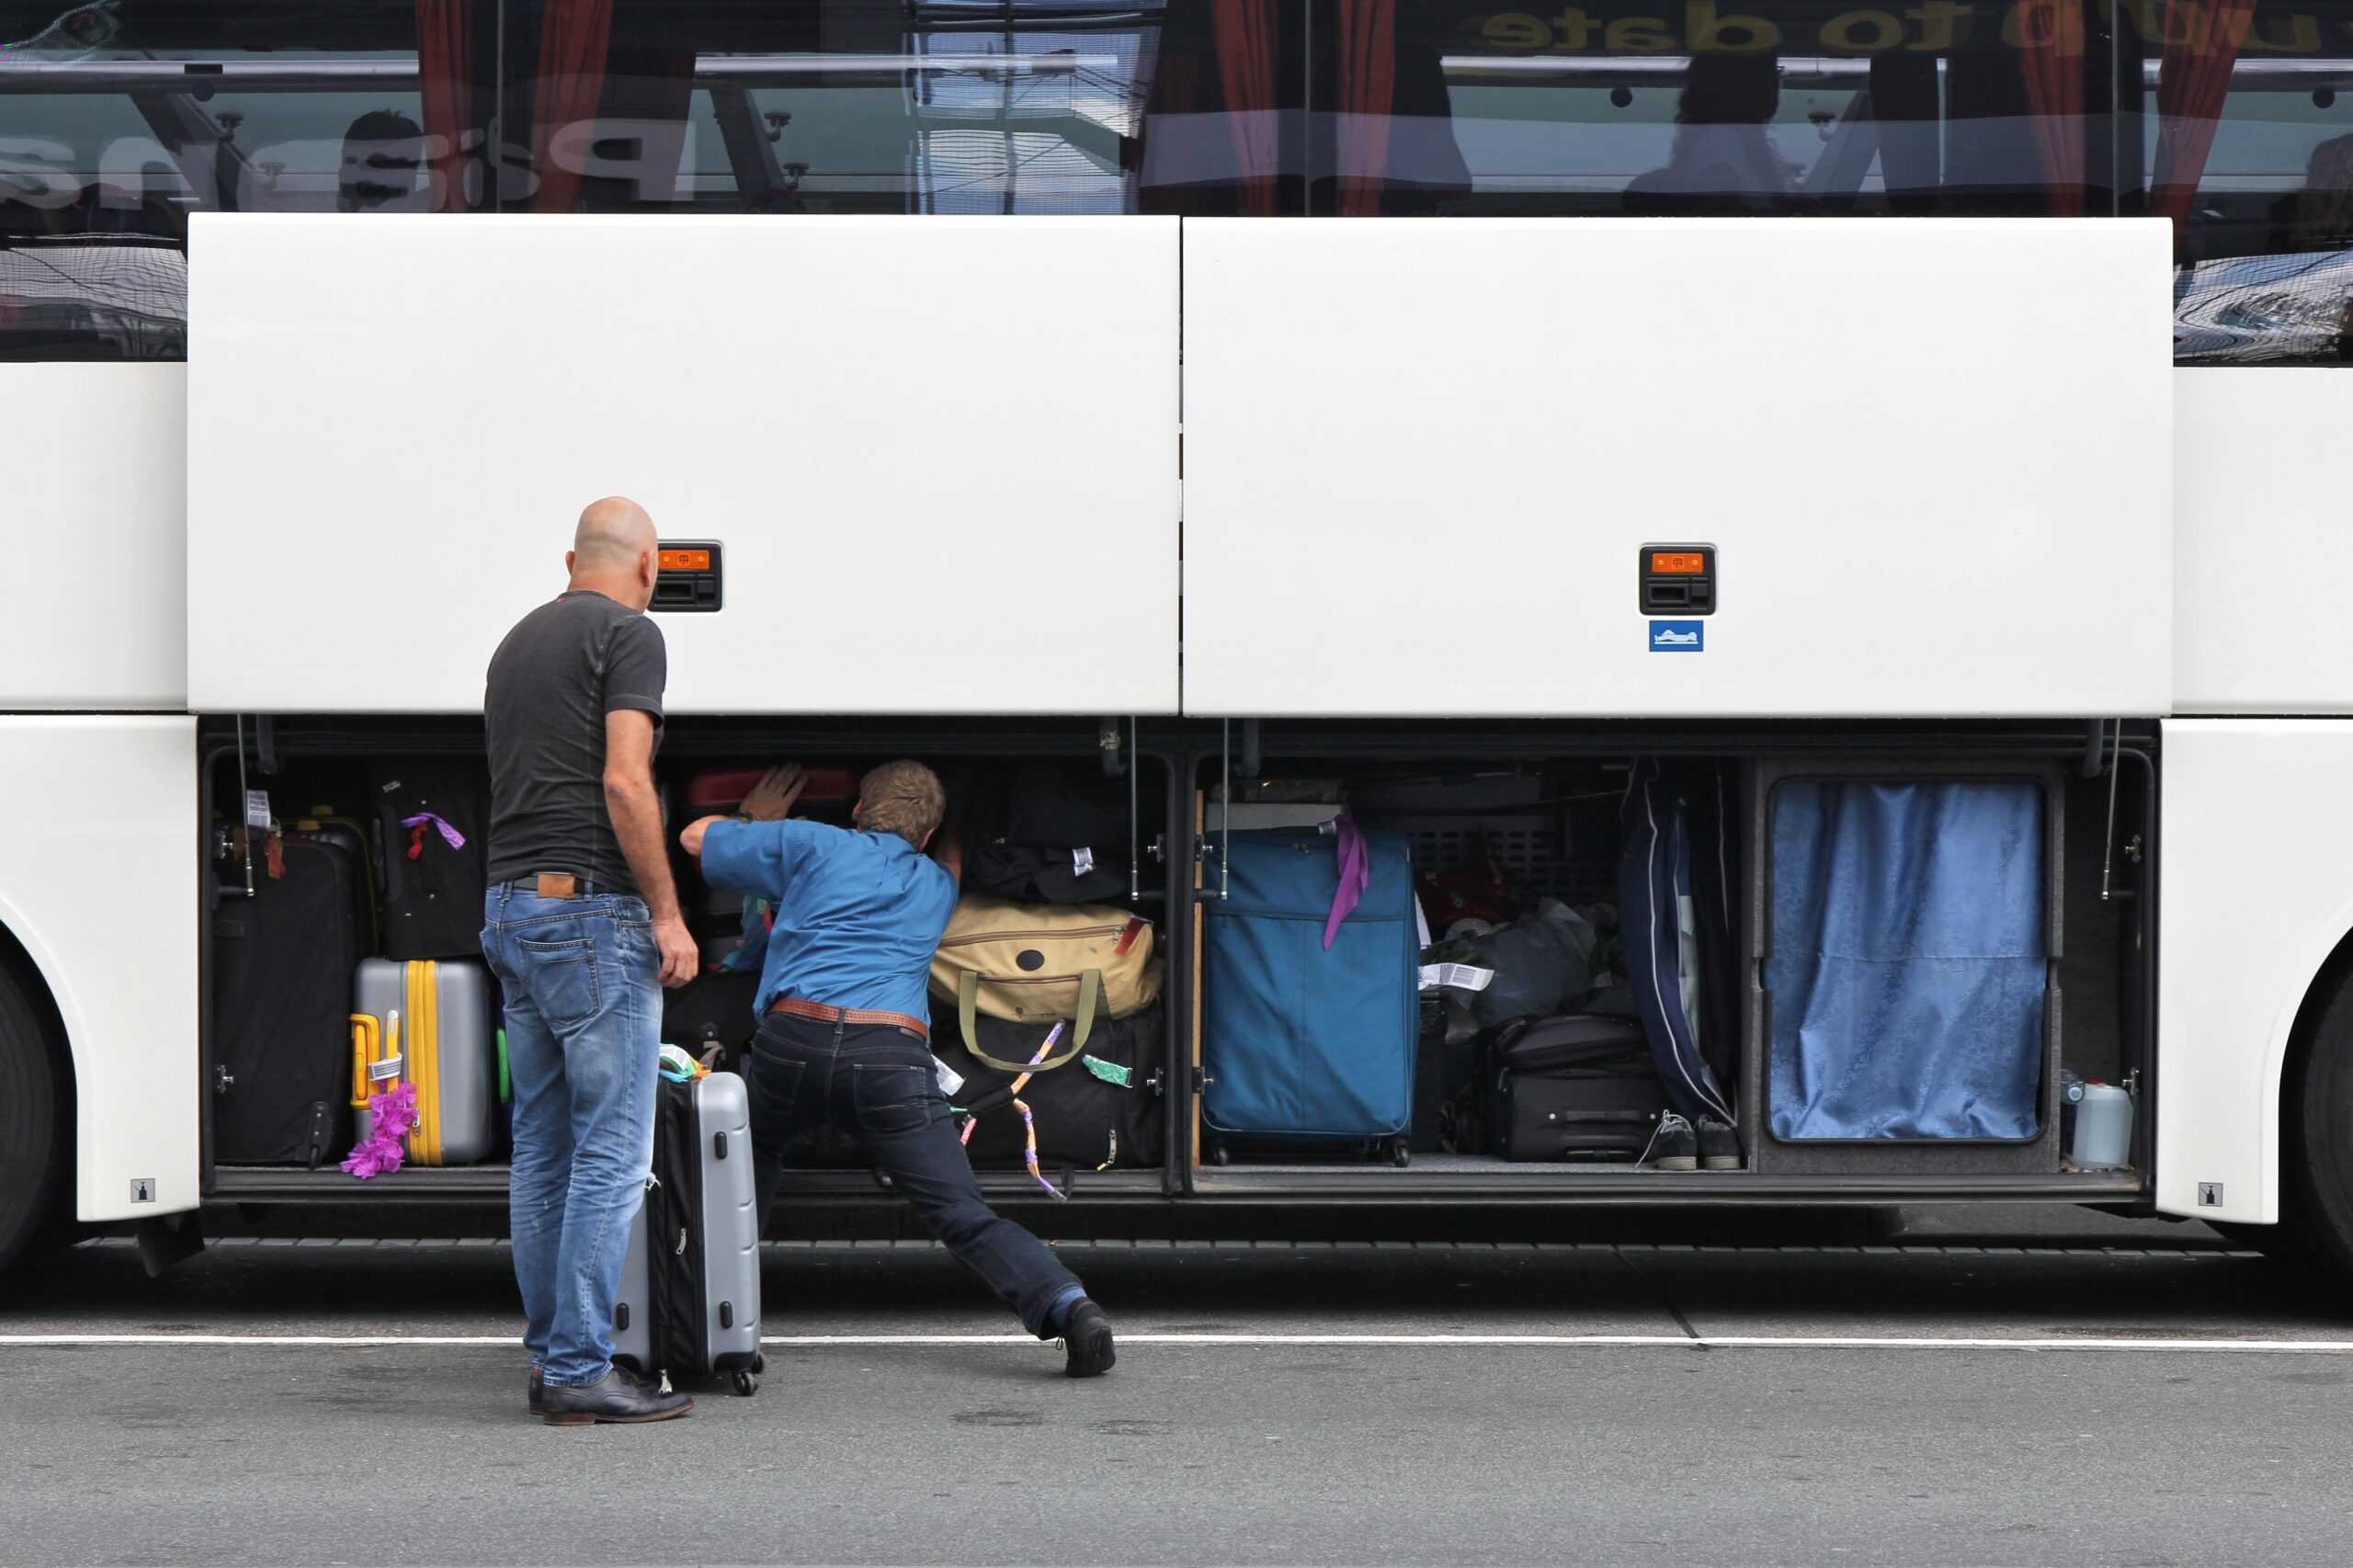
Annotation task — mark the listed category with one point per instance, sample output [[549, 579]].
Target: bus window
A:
[[2246, 144], [118, 121], [1011, 106], [1645, 107]]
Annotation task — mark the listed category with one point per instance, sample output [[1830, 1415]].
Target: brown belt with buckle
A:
[[825, 1014]]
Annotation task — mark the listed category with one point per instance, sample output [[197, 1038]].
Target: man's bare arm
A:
[[637, 823]]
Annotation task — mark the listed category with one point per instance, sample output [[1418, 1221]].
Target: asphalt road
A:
[[1906, 1403]]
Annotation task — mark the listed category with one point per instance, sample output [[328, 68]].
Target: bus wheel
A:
[[30, 1147], [2316, 1185]]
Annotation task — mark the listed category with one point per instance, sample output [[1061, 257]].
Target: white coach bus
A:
[[1458, 413]]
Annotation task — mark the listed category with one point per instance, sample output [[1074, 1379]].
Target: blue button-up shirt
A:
[[858, 915]]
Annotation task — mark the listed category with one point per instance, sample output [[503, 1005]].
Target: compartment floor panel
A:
[[1486, 1165]]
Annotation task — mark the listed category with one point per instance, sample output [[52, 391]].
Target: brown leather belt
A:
[[825, 1014]]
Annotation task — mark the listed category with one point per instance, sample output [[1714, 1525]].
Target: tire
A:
[[2316, 1180], [32, 1147]]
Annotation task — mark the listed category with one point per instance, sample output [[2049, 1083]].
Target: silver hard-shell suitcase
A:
[[690, 1281], [430, 1023]]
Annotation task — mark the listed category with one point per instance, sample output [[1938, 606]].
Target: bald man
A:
[[581, 927]]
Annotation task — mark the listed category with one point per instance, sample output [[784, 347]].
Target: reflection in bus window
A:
[[2246, 138], [1007, 107], [119, 117], [1647, 107]]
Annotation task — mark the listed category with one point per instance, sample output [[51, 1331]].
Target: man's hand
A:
[[691, 840], [681, 960], [772, 798]]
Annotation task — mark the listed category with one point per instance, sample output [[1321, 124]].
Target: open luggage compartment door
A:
[[938, 455], [1923, 466]]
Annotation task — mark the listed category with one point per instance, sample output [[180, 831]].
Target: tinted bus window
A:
[[117, 119], [1010, 107], [1714, 106], [2246, 120]]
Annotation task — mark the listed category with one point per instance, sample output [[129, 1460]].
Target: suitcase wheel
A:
[[1219, 1153], [746, 1385], [1401, 1152], [759, 1360]]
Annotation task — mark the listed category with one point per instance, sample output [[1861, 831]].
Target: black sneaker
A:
[[1087, 1341], [1719, 1145], [538, 1383], [1674, 1147], [615, 1397]]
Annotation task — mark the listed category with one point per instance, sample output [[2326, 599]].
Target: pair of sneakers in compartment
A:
[[1678, 1146]]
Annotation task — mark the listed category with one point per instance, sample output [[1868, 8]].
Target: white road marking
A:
[[1552, 1341]]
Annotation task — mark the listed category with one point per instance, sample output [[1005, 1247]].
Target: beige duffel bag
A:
[[1038, 963]]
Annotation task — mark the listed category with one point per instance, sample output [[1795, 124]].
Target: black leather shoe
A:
[[616, 1397], [1087, 1341], [538, 1381]]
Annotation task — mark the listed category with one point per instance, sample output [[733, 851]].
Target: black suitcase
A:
[[1097, 1106], [689, 1299], [1573, 1087], [432, 888], [282, 962]]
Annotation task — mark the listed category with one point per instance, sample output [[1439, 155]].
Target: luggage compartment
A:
[[1520, 839], [372, 797], [1521, 829]]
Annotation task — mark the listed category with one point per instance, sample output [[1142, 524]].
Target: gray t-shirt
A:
[[563, 668]]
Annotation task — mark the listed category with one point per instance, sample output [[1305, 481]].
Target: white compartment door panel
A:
[[940, 454], [1422, 460]]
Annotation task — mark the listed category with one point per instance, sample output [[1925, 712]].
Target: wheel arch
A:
[[19, 968], [2294, 1049]]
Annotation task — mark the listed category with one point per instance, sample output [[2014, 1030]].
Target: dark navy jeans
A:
[[584, 1038], [875, 1085]]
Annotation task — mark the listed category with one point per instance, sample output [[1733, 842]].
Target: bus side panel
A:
[[1931, 455], [2257, 852], [938, 455], [97, 610], [2259, 535], [99, 879]]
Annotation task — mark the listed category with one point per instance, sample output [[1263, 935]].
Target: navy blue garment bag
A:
[[1674, 917]]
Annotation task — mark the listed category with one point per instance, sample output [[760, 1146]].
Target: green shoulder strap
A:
[[968, 1003]]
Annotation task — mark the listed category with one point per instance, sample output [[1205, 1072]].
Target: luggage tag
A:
[[1456, 976], [950, 1079]]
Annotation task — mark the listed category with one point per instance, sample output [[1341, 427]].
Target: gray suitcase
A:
[[690, 1281], [431, 1024]]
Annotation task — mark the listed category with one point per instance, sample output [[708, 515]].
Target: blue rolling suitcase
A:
[[1301, 1042]]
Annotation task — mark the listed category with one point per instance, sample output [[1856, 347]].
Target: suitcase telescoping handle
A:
[[375, 1057]]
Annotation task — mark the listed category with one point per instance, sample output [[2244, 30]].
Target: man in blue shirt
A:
[[843, 1038]]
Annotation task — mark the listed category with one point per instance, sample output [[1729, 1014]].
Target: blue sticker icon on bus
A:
[[1678, 636]]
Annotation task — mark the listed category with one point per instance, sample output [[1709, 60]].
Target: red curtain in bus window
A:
[[2050, 50], [1211, 119], [444, 38], [1245, 42], [574, 37], [2201, 47], [1368, 98]]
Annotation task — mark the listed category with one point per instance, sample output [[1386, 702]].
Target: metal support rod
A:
[[1226, 808], [245, 813], [2108, 846], [1135, 855]]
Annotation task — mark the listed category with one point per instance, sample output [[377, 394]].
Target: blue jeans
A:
[[875, 1082], [584, 1032]]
